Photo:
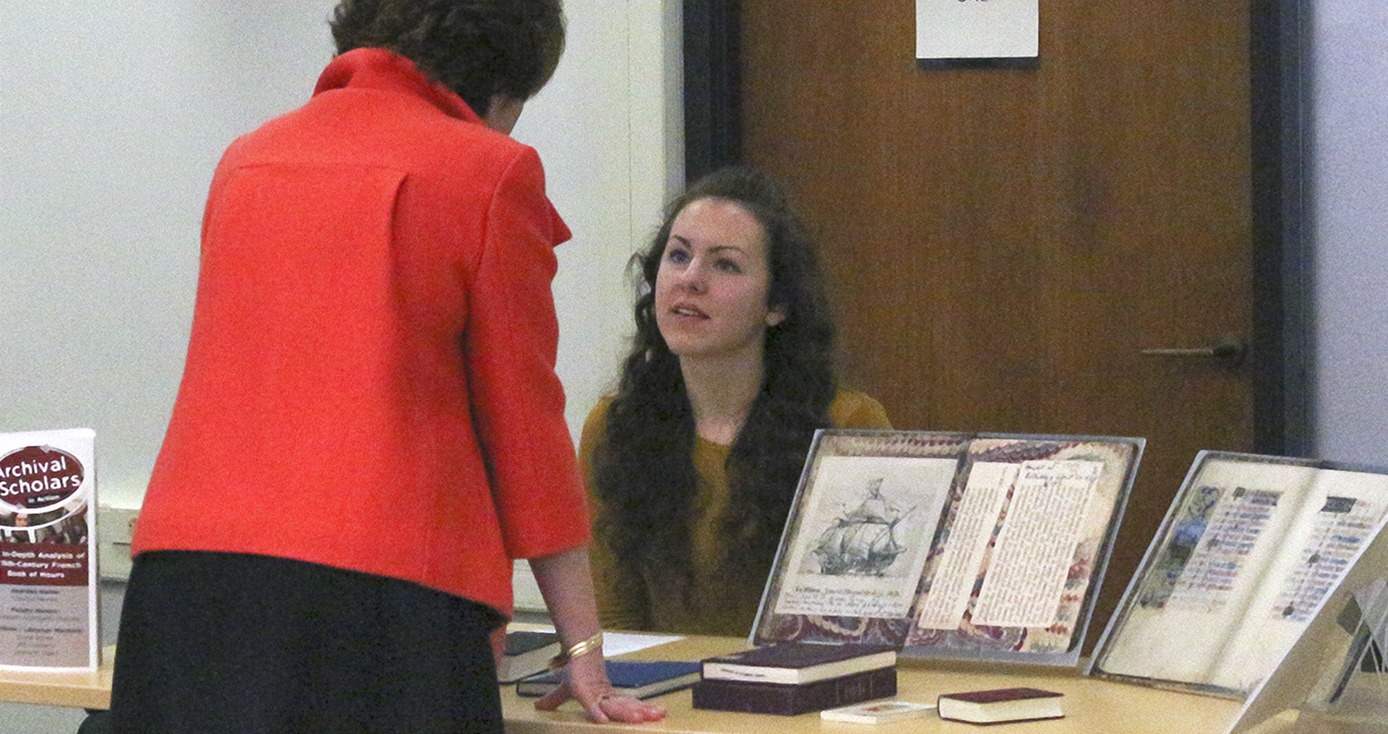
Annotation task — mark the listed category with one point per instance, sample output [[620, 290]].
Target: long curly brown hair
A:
[[643, 471], [477, 48]]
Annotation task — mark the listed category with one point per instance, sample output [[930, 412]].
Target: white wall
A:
[[1349, 136], [112, 117]]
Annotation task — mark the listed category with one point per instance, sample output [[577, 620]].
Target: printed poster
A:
[[48, 578]]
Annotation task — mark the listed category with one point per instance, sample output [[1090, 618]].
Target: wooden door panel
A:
[[1002, 243]]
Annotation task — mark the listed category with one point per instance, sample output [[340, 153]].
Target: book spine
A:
[[790, 700]]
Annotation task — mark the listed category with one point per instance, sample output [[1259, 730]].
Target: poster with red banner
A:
[[48, 580]]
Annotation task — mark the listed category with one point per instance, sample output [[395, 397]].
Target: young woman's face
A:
[[712, 284]]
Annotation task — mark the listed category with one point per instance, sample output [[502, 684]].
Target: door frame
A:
[[1283, 358]]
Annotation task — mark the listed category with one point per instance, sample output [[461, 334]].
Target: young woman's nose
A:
[[693, 277]]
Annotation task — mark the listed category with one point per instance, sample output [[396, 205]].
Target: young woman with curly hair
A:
[[693, 463]]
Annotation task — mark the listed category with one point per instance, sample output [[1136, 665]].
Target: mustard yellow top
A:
[[718, 604]]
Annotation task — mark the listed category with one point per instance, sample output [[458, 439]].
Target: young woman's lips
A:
[[681, 309]]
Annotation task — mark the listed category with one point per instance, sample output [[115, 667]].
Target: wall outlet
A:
[[114, 528]]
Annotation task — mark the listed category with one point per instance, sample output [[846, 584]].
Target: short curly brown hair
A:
[[477, 48]]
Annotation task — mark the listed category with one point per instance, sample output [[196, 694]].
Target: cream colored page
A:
[[1311, 670], [1036, 545], [1335, 521], [1183, 636], [866, 532], [962, 558]]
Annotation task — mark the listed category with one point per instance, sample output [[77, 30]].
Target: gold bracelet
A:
[[581, 648]]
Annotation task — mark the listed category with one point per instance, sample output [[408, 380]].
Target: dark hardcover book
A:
[[1000, 704], [636, 678], [795, 663], [525, 654], [790, 700]]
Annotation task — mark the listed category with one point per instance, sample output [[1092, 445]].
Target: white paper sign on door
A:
[[977, 29]]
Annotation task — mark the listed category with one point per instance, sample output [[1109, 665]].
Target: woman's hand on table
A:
[[585, 681]]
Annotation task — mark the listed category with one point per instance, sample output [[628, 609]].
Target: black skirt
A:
[[223, 642]]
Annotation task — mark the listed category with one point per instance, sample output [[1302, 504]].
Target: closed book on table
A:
[[635, 678], [799, 662], [526, 653], [790, 700], [1000, 704]]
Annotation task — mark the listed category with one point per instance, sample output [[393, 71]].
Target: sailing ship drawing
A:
[[862, 542]]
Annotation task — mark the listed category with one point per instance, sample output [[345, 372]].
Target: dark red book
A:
[[790, 700], [1000, 704]]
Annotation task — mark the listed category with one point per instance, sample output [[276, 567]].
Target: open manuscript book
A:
[[1248, 556], [1331, 681], [948, 545]]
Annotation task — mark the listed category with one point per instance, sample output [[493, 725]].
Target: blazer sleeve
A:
[[510, 343]]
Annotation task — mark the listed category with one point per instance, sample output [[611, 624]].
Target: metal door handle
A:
[[1229, 350]]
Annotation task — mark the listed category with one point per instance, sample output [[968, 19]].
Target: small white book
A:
[[878, 712]]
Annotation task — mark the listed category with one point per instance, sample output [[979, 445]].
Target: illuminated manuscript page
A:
[[1228, 594]]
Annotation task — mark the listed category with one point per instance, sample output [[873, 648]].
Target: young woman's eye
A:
[[729, 266], [677, 255]]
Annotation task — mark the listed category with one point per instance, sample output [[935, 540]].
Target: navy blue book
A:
[[635, 678]]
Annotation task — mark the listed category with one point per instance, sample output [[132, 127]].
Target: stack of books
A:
[[791, 678]]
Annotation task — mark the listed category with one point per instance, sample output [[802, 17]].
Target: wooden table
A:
[[1092, 706], [81, 689]]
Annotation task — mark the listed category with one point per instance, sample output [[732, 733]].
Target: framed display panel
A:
[[1324, 683], [982, 547], [1248, 553]]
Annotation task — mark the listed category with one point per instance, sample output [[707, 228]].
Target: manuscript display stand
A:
[[1266, 582], [980, 547]]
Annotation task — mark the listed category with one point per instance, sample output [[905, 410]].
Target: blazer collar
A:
[[379, 68]]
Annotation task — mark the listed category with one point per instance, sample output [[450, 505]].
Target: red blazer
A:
[[370, 376]]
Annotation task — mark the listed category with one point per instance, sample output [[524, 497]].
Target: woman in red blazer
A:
[[369, 427]]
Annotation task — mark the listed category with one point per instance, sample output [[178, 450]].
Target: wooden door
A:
[[1003, 243]]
